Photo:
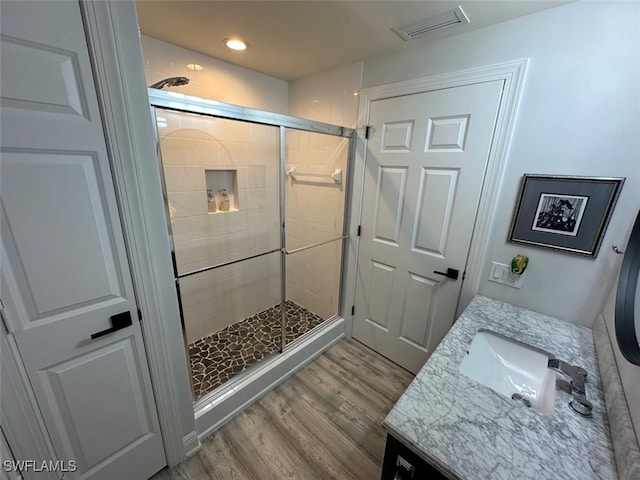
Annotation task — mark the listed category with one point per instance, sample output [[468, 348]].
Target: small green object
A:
[[519, 263]]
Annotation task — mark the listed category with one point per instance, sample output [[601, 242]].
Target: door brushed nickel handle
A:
[[118, 322]]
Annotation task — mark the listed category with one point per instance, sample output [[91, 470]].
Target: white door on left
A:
[[65, 272]]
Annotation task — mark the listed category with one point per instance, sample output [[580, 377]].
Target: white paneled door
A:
[[66, 283], [426, 159]]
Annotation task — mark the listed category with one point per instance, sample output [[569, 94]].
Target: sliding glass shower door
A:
[[222, 186], [315, 195], [256, 215]]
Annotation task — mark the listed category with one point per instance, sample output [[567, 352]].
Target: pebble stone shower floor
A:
[[221, 356]]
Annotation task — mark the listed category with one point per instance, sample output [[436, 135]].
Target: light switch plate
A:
[[501, 273]]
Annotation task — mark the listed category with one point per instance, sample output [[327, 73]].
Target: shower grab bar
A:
[[225, 264], [334, 178], [296, 250]]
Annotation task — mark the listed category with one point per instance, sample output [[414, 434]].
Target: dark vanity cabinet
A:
[[400, 463]]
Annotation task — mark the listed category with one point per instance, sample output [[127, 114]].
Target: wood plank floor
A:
[[322, 423]]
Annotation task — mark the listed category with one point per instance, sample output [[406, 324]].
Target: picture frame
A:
[[566, 213]]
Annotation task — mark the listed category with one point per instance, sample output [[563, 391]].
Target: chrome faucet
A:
[[577, 377]]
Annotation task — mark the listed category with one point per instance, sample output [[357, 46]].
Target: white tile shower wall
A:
[[315, 212], [191, 144], [219, 80]]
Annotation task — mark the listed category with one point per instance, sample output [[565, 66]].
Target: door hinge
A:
[[359, 229], [464, 274], [139, 314], [367, 130], [353, 309]]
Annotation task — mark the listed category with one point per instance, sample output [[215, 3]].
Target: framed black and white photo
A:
[[564, 213], [559, 214]]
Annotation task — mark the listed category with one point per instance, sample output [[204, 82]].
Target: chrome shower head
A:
[[170, 82]]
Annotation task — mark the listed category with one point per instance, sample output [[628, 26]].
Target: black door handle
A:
[[451, 273], [118, 322]]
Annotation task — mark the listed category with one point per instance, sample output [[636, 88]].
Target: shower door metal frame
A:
[[209, 108]]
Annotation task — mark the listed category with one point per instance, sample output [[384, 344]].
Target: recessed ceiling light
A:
[[235, 44], [195, 66]]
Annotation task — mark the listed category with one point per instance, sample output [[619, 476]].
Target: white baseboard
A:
[[191, 444], [214, 412]]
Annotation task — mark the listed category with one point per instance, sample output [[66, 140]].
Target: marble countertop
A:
[[468, 431]]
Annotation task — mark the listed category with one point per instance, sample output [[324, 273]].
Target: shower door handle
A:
[[118, 322], [451, 273]]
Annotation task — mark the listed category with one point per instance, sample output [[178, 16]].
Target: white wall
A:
[[629, 373], [220, 80], [328, 96], [579, 115]]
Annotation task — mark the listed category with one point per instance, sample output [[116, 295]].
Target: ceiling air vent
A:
[[441, 21]]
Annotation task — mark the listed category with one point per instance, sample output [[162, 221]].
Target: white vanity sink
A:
[[510, 367]]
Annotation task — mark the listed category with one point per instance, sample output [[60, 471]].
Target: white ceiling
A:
[[293, 39]]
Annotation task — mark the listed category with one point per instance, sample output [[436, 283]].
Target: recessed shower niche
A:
[[222, 191]]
